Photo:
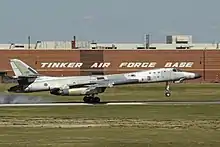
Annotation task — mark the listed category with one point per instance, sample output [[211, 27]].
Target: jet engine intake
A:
[[55, 91]]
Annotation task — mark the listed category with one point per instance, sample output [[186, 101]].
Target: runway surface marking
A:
[[110, 103]]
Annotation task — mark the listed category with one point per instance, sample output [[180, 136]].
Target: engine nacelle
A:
[[74, 92], [77, 91]]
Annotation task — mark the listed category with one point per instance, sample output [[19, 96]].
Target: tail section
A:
[[22, 69]]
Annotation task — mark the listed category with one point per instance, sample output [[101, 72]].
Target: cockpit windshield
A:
[[177, 70]]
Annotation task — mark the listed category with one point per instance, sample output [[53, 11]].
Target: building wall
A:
[[88, 58], [205, 62]]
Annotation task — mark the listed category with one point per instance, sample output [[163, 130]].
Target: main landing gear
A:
[[91, 99], [167, 90]]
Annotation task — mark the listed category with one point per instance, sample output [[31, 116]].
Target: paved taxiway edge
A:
[[131, 103]]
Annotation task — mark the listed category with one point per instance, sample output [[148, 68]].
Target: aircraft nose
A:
[[197, 76]]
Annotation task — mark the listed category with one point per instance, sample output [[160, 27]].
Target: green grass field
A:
[[99, 126]]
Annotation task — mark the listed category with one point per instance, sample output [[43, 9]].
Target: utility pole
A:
[[147, 41], [29, 42], [204, 68]]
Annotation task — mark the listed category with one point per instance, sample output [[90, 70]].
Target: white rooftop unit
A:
[[124, 46], [179, 39], [83, 44], [54, 45], [16, 46]]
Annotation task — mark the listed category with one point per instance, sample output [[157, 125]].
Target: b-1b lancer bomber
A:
[[29, 80]]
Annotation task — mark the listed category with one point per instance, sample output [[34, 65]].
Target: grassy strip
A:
[[108, 112], [99, 137], [111, 126]]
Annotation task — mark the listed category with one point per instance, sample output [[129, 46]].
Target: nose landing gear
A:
[[167, 90]]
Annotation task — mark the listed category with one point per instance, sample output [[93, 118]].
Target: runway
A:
[[114, 103]]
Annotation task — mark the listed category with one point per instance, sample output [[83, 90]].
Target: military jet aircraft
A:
[[29, 80]]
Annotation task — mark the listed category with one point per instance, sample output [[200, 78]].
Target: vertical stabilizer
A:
[[22, 69]]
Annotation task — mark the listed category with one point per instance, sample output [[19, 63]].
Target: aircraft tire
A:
[[167, 94], [96, 100], [87, 99]]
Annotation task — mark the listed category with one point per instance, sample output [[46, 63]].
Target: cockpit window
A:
[[174, 70], [177, 70]]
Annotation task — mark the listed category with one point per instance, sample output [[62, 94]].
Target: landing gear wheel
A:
[[96, 100], [90, 99], [167, 94], [87, 99], [167, 90]]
